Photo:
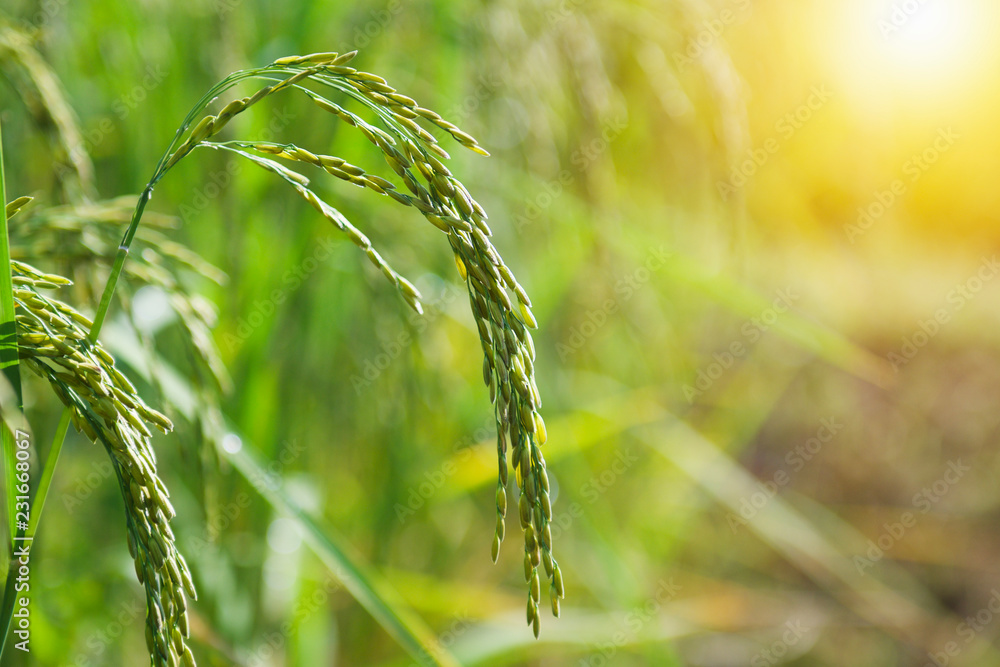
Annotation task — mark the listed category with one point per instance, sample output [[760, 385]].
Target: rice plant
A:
[[61, 345]]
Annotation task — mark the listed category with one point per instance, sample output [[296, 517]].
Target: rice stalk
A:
[[61, 344], [77, 241], [415, 157], [53, 344]]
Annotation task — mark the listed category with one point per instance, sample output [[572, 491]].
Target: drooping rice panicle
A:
[[52, 340], [415, 157], [104, 404]]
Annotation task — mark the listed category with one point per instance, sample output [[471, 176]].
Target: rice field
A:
[[694, 364]]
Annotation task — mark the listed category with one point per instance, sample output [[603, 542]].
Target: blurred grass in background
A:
[[759, 237]]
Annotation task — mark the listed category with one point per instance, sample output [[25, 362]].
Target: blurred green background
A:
[[760, 238]]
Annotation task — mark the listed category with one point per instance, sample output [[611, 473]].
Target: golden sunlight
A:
[[928, 50]]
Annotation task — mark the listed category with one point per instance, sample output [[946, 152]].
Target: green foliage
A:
[[750, 381]]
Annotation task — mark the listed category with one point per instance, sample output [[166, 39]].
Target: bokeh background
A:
[[761, 241]]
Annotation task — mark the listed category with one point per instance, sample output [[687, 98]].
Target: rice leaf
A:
[[364, 585], [367, 587]]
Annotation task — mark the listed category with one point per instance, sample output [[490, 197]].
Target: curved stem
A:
[[38, 503], [121, 255], [119, 265]]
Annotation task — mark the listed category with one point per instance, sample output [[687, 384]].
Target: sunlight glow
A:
[[926, 34], [927, 53]]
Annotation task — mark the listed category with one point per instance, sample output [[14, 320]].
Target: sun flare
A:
[[927, 48], [929, 34]]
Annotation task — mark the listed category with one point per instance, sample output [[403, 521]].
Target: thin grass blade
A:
[[362, 582], [10, 366], [364, 585]]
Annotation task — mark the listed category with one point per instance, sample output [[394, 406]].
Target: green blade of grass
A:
[[793, 536], [360, 580], [10, 366], [822, 341], [8, 346], [367, 587]]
